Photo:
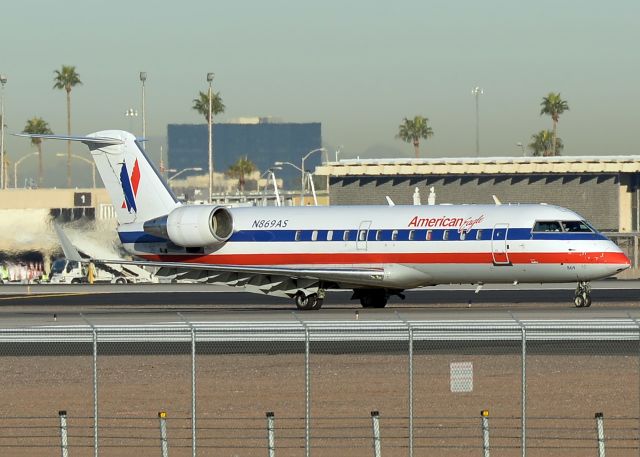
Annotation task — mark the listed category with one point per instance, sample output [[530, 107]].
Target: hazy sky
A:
[[358, 67]]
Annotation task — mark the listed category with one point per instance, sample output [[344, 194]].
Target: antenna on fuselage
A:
[[389, 201], [496, 200]]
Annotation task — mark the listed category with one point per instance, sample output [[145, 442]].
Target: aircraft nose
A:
[[622, 261]]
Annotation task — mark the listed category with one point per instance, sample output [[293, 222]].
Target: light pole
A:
[[302, 169], [15, 168], [280, 164], [477, 91], [90, 162], [272, 175], [521, 146], [209, 79], [184, 170], [143, 79], [3, 81], [131, 113]]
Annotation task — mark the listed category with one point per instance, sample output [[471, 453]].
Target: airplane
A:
[[377, 251]]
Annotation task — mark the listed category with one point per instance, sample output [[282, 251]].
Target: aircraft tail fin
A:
[[137, 190]]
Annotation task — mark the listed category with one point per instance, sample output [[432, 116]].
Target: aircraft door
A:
[[499, 246], [362, 235]]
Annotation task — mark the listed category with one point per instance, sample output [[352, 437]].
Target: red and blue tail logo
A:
[[130, 186]]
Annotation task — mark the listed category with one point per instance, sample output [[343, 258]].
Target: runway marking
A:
[[68, 294]]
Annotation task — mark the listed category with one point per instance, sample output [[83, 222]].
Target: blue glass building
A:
[[263, 143]]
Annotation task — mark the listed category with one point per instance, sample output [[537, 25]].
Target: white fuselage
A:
[[414, 245]]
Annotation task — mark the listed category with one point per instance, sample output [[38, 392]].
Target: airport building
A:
[[605, 190], [263, 140]]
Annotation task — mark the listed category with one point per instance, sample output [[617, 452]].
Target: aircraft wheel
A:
[[586, 299], [374, 299], [578, 300], [121, 280], [307, 302], [317, 303]]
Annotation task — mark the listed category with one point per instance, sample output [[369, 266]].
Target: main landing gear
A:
[[311, 302], [582, 296], [375, 298]]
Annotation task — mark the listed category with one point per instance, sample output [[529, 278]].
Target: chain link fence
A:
[[307, 386]]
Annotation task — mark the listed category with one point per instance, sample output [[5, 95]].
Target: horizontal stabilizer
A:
[[82, 139]]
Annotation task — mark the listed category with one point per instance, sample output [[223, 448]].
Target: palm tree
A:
[[67, 79], [37, 125], [542, 144], [240, 169], [554, 106], [412, 130], [201, 104]]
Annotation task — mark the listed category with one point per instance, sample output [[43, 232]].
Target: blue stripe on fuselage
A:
[[338, 235]]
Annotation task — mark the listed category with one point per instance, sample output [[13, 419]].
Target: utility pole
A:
[[3, 81], [143, 78], [477, 91], [209, 79]]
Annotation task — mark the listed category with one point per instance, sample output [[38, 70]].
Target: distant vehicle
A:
[[377, 251], [65, 271]]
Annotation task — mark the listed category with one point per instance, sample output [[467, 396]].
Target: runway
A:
[[152, 303]]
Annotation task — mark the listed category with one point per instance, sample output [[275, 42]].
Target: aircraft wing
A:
[[69, 250], [357, 275], [337, 274]]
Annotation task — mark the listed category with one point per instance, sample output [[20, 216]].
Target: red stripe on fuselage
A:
[[616, 258]]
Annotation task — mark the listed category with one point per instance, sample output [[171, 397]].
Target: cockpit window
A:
[[547, 226], [576, 226]]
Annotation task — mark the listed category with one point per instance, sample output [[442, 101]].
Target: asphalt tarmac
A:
[[152, 301]]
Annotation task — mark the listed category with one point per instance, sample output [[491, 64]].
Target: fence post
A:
[[410, 390], [164, 445], [307, 388], [95, 384], [600, 431], [271, 438], [524, 392], [64, 445], [375, 421], [410, 344], [193, 391], [193, 384], [523, 386], [486, 450]]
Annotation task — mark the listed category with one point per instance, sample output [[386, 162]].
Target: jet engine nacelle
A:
[[193, 226]]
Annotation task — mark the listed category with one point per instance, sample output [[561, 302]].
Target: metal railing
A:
[[542, 380]]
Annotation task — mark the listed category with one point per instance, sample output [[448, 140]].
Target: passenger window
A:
[[345, 235], [314, 235], [547, 226], [411, 235], [362, 236], [330, 235], [576, 226], [298, 235], [445, 235], [394, 235], [428, 237], [479, 234]]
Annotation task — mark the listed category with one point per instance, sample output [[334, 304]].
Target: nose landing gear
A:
[[582, 296]]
